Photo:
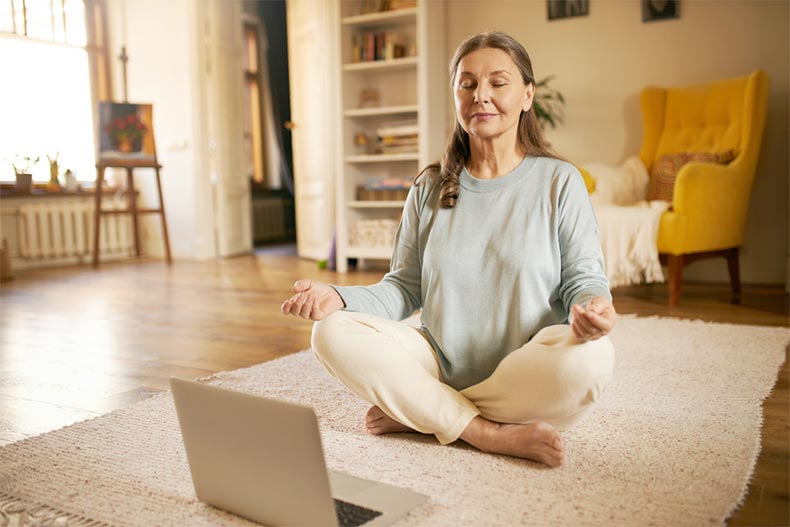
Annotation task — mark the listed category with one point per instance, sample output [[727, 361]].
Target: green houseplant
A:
[[548, 104]]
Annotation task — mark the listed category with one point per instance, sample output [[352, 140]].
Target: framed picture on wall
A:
[[567, 8], [653, 10], [126, 132]]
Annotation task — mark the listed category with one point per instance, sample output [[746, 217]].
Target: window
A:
[[46, 97], [253, 140]]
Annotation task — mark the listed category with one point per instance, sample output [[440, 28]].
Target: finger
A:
[[603, 323], [298, 301], [318, 311], [587, 328], [301, 285], [579, 331], [288, 305], [307, 308]]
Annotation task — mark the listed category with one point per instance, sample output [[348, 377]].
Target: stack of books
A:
[[401, 137], [382, 45]]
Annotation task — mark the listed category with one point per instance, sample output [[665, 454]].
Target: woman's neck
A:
[[489, 160]]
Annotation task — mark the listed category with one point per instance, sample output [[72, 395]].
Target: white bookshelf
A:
[[413, 87]]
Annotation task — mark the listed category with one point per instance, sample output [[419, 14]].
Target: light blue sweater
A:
[[509, 259]]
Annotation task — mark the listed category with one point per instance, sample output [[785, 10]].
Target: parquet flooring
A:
[[76, 343]]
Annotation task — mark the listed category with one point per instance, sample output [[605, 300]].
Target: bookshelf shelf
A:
[[371, 204], [392, 64], [382, 158], [382, 111], [382, 19]]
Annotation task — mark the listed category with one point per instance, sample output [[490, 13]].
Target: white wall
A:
[[603, 60], [166, 68]]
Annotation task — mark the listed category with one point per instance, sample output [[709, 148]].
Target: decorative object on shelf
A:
[[384, 189], [362, 142], [548, 104], [369, 98], [653, 10], [23, 172], [567, 8], [126, 131]]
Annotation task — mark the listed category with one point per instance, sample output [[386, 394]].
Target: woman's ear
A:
[[529, 95]]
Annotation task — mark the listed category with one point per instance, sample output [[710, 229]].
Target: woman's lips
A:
[[483, 116]]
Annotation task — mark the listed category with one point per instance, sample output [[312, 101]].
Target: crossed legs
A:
[[547, 385]]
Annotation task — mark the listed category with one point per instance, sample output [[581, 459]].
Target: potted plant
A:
[[548, 104], [127, 132], [23, 170]]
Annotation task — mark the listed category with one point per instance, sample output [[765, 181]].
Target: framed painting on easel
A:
[[126, 133]]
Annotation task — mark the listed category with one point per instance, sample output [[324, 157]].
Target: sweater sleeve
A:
[[583, 276], [398, 294]]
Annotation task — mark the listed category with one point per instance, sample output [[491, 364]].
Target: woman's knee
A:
[[328, 332]]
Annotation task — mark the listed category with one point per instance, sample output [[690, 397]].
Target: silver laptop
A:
[[262, 459]]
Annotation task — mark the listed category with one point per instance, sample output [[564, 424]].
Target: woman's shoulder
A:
[[428, 176], [557, 166]]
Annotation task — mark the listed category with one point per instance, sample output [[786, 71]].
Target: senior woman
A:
[[499, 246]]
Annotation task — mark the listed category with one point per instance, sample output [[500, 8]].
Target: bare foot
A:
[[377, 423], [535, 441]]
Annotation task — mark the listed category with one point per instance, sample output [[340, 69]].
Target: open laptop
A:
[[262, 459]]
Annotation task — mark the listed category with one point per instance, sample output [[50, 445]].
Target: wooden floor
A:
[[75, 343]]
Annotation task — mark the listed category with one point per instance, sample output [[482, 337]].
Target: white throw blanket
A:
[[629, 241], [628, 224]]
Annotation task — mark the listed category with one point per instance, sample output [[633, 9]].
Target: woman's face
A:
[[490, 94]]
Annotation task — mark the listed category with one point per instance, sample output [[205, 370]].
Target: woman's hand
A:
[[312, 300], [594, 321]]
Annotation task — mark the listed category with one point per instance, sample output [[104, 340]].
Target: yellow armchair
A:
[[710, 201]]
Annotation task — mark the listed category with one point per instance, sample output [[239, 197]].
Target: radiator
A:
[[60, 230], [268, 219]]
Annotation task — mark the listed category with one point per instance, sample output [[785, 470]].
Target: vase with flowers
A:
[[127, 132]]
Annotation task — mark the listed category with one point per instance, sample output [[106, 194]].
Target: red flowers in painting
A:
[[127, 128]]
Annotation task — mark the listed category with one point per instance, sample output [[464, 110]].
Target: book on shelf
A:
[[398, 129], [399, 137], [372, 45]]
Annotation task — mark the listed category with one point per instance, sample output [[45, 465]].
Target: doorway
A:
[[267, 136]]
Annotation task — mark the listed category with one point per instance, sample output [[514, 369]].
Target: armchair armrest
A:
[[714, 200]]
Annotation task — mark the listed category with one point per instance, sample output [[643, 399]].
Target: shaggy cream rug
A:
[[674, 442]]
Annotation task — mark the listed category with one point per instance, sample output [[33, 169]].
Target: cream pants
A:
[[554, 378]]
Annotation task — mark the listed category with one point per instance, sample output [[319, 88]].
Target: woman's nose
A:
[[481, 94]]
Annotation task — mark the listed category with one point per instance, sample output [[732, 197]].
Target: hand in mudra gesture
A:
[[312, 300], [595, 320]]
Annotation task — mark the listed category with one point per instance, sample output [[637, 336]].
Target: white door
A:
[[226, 127], [310, 45]]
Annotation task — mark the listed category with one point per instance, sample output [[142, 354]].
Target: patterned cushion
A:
[[666, 168]]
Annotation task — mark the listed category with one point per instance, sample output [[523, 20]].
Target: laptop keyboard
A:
[[350, 515]]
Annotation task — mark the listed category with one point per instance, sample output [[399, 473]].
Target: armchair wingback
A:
[[710, 201]]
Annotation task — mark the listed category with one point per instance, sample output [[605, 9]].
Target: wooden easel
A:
[[131, 198]]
